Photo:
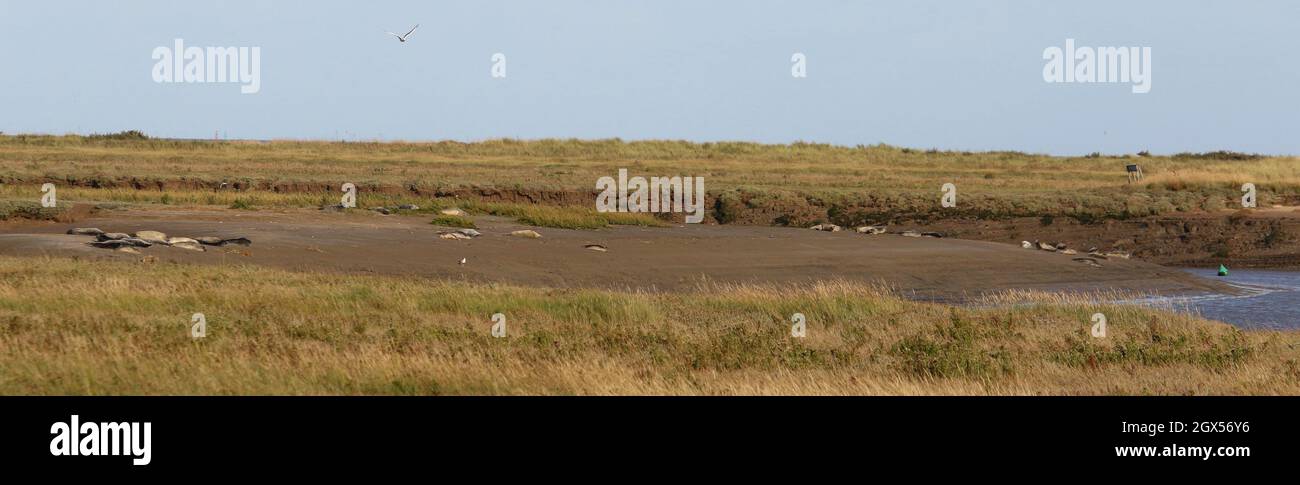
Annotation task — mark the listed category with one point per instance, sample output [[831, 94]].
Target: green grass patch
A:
[[242, 204], [16, 209], [1155, 344], [959, 348], [453, 221]]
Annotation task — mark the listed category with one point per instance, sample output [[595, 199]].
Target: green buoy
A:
[[1223, 270]]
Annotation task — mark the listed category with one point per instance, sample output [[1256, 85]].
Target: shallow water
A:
[[1271, 299]]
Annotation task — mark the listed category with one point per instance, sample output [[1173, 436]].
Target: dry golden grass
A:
[[894, 180], [80, 327], [575, 165]]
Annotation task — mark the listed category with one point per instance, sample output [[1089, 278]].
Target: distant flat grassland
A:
[[575, 165], [836, 180], [85, 327]]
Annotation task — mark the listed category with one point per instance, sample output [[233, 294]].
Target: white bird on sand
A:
[[403, 37], [463, 260]]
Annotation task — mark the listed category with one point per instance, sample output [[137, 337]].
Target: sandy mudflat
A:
[[657, 259]]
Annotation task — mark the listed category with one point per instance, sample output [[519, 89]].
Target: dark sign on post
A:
[[1134, 172]]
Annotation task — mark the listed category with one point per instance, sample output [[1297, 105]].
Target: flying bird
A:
[[402, 38]]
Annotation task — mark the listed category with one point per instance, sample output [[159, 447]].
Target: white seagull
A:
[[403, 37]]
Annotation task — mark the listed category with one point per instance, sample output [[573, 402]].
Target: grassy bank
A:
[[752, 183], [27, 209], [80, 327], [17, 202]]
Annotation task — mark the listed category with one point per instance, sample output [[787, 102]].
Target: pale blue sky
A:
[[954, 74]]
